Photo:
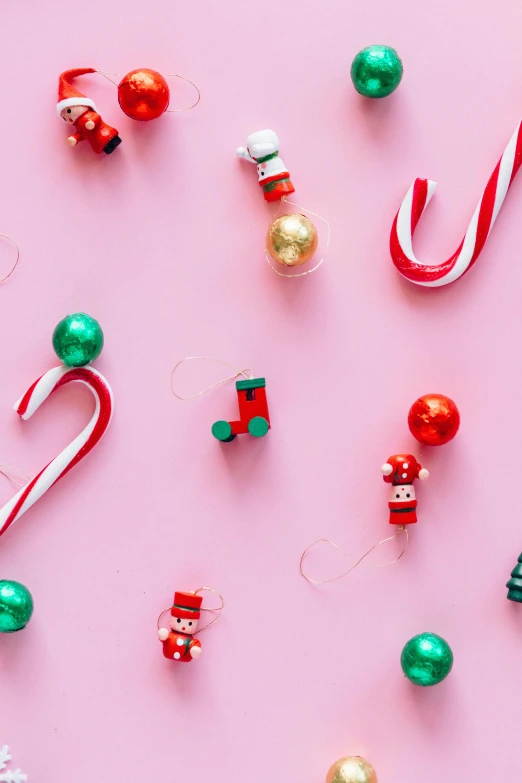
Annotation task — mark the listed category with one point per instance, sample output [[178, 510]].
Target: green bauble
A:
[[78, 340], [16, 606], [376, 71], [426, 659]]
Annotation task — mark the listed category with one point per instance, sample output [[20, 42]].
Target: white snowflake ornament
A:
[[9, 777]]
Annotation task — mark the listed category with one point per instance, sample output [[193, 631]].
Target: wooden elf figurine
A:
[[262, 148], [400, 471], [179, 643], [75, 108]]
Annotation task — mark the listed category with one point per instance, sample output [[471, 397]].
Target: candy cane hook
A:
[[75, 451], [417, 199]]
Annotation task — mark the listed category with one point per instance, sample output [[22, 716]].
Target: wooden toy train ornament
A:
[[253, 411]]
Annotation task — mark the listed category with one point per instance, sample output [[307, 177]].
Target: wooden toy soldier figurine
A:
[[263, 149], [400, 471], [75, 108], [179, 643]]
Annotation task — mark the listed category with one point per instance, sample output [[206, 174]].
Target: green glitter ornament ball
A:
[[78, 340], [426, 659], [16, 606], [376, 71]]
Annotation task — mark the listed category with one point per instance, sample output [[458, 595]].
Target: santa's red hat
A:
[[402, 469], [68, 95], [187, 605]]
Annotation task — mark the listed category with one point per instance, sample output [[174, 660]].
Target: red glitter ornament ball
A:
[[143, 94], [434, 419]]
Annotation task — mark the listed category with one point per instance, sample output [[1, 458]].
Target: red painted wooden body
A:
[[252, 402], [177, 647], [400, 471], [253, 412]]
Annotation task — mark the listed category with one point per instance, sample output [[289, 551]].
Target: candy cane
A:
[[417, 199], [75, 451]]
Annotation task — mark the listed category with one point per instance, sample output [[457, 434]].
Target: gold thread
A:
[[10, 239], [161, 615], [401, 529], [217, 609], [188, 108], [6, 471], [212, 385], [108, 74], [308, 271]]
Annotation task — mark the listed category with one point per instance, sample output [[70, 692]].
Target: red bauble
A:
[[143, 94], [434, 419]]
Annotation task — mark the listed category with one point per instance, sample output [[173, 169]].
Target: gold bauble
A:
[[351, 769], [291, 240]]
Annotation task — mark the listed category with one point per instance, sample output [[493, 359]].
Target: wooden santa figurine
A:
[[76, 109], [400, 471], [179, 643], [263, 149]]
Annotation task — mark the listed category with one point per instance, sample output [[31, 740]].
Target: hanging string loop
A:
[[10, 474], [108, 74], [400, 531], [246, 373], [17, 259]]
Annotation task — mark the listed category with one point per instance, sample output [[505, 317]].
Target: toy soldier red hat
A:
[[68, 95], [402, 469], [187, 605]]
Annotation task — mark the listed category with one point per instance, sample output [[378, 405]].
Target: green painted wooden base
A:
[[258, 426], [222, 431]]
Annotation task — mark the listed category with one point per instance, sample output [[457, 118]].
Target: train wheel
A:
[[222, 431], [258, 426]]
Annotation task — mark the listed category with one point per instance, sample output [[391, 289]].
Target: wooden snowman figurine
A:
[[400, 471], [179, 643], [263, 149]]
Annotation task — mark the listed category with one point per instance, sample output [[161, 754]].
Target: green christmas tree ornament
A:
[[514, 585], [376, 71], [16, 606], [426, 659], [78, 340]]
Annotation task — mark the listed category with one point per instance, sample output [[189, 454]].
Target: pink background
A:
[[163, 242]]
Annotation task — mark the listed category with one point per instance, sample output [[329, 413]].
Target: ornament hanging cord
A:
[[108, 74], [309, 211], [11, 240], [216, 609], [9, 474], [246, 373], [401, 529]]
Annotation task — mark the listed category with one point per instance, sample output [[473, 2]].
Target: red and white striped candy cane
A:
[[417, 199], [75, 451]]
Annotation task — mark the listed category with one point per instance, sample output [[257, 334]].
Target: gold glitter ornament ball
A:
[[351, 769], [291, 240]]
